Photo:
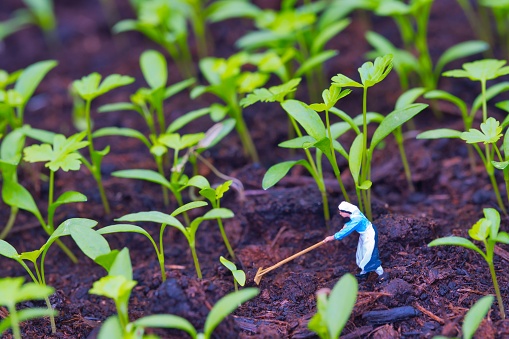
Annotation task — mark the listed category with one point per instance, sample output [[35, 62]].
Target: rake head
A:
[[258, 276]]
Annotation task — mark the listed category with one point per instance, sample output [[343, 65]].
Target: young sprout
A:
[[229, 82], [329, 320], [239, 276], [361, 153], [14, 292], [412, 21], [165, 24], [170, 220], [13, 194], [26, 81], [118, 284], [489, 135], [152, 216], [89, 241], [487, 231], [330, 97], [297, 36], [89, 88], [62, 154], [214, 195]]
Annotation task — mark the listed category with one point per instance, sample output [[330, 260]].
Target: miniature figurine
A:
[[367, 249]]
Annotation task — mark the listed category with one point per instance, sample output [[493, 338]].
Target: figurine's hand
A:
[[329, 238]]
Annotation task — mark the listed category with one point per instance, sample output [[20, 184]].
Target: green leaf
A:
[[122, 266], [189, 206], [344, 81], [229, 265], [454, 241], [89, 87], [106, 260], [225, 306], [13, 194], [365, 185], [7, 250], [308, 118], [216, 213], [409, 97], [118, 106], [500, 165], [490, 133], [314, 62], [68, 226], [177, 142], [480, 230], [328, 33], [440, 133], [31, 77], [227, 9], [114, 287], [277, 172], [393, 120], [154, 68], [355, 157], [494, 217], [475, 315], [481, 70], [198, 181], [166, 321], [186, 119], [209, 193], [240, 277], [91, 243], [178, 87], [63, 155], [344, 293], [459, 51], [373, 73], [223, 188], [443, 95], [303, 142], [272, 94], [502, 237], [111, 328], [142, 174], [12, 146], [152, 216], [121, 131]]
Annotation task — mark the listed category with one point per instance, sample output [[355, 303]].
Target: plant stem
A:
[[13, 315], [406, 167], [316, 175], [225, 238], [10, 222], [160, 254], [497, 289], [95, 168], [160, 169], [334, 162], [51, 316], [245, 137], [196, 263]]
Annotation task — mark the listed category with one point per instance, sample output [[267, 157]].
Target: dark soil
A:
[[441, 284]]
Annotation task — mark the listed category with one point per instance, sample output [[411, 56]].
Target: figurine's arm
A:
[[346, 230]]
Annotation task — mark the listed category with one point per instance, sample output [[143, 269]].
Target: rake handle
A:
[[282, 262]]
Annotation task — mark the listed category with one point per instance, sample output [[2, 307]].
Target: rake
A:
[[261, 271]]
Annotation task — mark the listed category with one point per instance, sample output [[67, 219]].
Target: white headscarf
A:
[[346, 206]]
